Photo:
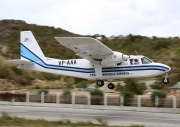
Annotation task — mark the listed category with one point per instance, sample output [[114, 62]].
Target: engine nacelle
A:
[[115, 58]]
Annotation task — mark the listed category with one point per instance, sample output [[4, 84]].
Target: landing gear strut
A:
[[165, 80], [100, 83]]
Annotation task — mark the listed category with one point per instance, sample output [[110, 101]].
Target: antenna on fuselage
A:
[[136, 52]]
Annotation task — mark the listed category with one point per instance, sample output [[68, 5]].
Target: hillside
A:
[[165, 50]]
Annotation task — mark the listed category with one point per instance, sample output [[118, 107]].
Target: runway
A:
[[110, 116]]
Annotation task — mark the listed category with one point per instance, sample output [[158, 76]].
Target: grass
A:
[[7, 120]]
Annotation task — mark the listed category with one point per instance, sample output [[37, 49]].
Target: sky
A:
[[159, 18]]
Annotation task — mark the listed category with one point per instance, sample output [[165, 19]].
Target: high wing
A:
[[85, 47]]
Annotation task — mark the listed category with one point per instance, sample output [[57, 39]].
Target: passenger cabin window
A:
[[134, 61], [145, 60]]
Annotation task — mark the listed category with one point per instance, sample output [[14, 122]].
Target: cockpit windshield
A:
[[146, 60]]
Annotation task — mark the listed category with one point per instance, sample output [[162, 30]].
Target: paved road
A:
[[112, 117]]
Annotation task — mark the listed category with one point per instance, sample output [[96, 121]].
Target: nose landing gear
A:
[[165, 80]]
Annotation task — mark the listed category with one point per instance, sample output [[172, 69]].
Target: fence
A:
[[139, 101]]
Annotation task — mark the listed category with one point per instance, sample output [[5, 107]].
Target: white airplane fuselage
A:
[[82, 68], [99, 61]]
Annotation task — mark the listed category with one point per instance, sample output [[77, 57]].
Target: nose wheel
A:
[[165, 80]]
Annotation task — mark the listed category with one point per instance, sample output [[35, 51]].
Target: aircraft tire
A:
[[111, 86], [165, 80], [100, 83]]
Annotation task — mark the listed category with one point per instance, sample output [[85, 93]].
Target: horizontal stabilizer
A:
[[20, 62]]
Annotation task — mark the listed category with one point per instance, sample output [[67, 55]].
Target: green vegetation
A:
[[133, 86], [96, 97], [44, 91], [6, 120], [157, 86], [12, 73], [119, 87], [82, 84], [96, 92], [160, 94], [163, 50], [67, 93], [128, 95], [68, 85]]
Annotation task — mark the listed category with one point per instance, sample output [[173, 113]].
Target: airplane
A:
[[98, 61]]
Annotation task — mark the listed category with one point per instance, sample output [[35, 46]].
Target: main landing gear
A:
[[111, 86], [165, 80], [100, 83]]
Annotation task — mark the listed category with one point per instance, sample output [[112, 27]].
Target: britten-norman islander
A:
[[98, 61]]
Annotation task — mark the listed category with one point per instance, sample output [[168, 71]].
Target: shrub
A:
[[3, 72], [22, 80], [128, 95], [82, 84], [36, 87], [158, 86], [45, 91], [97, 96], [160, 43], [50, 76], [17, 70], [96, 92], [77, 80], [118, 87], [69, 85], [132, 85], [160, 94], [67, 97], [29, 77], [67, 93]]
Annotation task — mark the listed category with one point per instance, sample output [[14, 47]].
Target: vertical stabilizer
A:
[[29, 47]]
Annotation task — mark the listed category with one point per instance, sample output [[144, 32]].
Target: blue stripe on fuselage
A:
[[26, 53]]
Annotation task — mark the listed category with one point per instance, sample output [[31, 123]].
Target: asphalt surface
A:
[[109, 116]]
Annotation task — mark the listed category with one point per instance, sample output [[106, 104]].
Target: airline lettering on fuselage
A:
[[67, 62], [112, 73]]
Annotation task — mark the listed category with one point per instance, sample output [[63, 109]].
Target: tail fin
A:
[[29, 47]]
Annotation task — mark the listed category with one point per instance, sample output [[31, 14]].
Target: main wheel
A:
[[100, 83], [111, 86], [165, 80]]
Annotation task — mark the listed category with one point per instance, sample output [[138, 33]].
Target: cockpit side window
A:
[[134, 61], [145, 60]]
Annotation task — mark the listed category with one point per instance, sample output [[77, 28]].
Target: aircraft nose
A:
[[168, 68]]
